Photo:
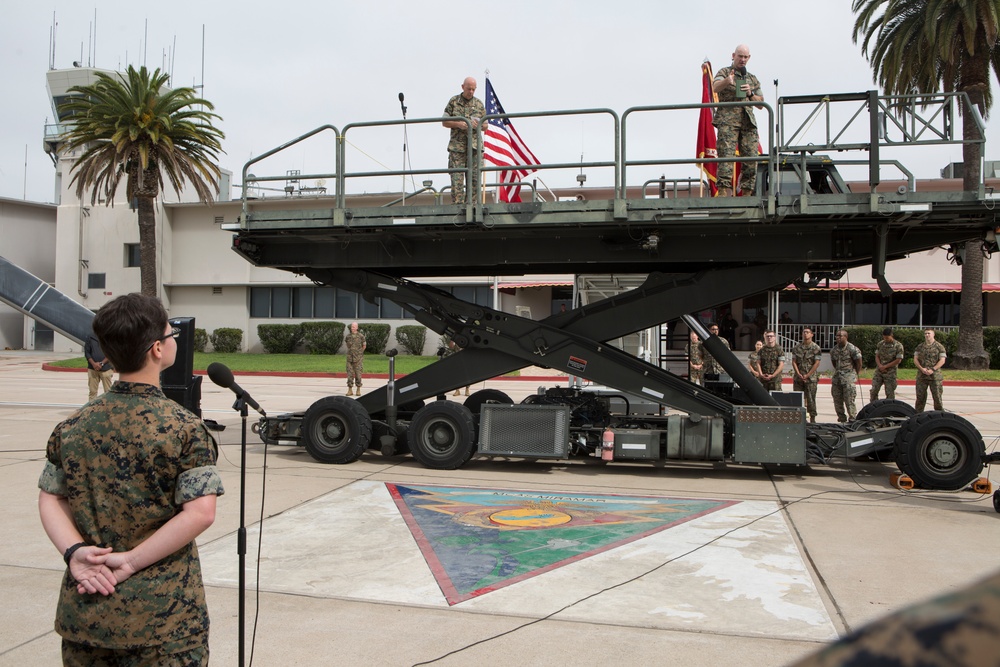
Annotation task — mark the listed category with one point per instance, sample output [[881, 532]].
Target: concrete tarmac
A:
[[791, 557]]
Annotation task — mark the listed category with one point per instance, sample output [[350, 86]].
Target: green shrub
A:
[[227, 340], [279, 338], [991, 341], [200, 340], [323, 337], [376, 337], [867, 337], [411, 337]]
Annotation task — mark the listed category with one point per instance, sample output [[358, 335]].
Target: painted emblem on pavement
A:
[[479, 540]]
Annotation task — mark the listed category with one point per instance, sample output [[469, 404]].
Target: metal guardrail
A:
[[885, 115]]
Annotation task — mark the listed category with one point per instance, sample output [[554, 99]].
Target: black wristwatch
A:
[[72, 550]]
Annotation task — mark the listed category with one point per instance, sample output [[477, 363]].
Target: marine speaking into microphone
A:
[[222, 376]]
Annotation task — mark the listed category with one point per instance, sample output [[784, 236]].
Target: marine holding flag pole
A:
[[706, 147], [503, 147]]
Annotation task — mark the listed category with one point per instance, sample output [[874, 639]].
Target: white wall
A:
[[27, 238]]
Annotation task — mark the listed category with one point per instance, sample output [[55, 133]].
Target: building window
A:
[[96, 280], [327, 303], [281, 302], [302, 302], [132, 255]]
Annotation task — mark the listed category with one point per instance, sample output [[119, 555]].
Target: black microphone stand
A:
[[241, 534], [405, 141]]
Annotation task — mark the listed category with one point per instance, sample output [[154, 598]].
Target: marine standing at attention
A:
[[356, 344]]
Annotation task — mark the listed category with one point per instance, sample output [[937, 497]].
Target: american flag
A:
[[502, 146]]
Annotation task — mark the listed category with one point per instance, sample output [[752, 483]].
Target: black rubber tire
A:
[[442, 435], [939, 450], [483, 396], [996, 500], [336, 429], [886, 407]]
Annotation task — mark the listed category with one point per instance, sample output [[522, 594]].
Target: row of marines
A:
[[767, 363]]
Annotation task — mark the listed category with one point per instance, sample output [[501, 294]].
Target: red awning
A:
[[900, 287], [549, 283]]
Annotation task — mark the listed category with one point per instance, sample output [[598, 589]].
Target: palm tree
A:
[[130, 124], [926, 46]]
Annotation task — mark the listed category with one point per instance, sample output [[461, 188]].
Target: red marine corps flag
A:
[[706, 131], [502, 146]]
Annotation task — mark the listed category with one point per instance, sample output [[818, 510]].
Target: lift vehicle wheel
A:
[[886, 407], [442, 435], [483, 396], [939, 450], [996, 500], [336, 429]]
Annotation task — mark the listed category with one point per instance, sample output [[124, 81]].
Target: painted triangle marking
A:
[[479, 540]]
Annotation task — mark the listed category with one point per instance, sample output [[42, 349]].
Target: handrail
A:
[[898, 113], [770, 158]]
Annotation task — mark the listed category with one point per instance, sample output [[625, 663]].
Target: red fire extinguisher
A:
[[608, 445]]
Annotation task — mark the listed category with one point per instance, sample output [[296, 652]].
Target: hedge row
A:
[[867, 337], [328, 337]]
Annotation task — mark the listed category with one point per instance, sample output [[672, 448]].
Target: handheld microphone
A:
[[741, 70], [222, 376]]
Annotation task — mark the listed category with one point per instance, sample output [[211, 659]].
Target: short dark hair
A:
[[126, 327], [887, 331]]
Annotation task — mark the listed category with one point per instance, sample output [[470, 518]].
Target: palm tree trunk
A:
[[971, 354], [147, 246]]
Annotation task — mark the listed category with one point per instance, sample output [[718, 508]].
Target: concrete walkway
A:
[[769, 564]]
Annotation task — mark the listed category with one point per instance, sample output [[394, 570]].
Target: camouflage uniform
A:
[[693, 352], [736, 127], [771, 356], [843, 386], [885, 352], [355, 343], [753, 361], [958, 629], [126, 463], [928, 354], [805, 355], [458, 144], [709, 364]]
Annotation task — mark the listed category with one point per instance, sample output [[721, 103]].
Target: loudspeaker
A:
[[181, 373], [188, 395]]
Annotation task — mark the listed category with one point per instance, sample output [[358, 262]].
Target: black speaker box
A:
[[188, 395], [181, 373]]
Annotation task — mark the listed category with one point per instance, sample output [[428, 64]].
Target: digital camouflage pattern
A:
[[693, 352], [753, 361], [771, 356], [709, 364], [736, 128], [885, 352], [460, 107], [355, 343], [458, 143], [928, 354], [843, 384], [805, 356], [960, 629], [126, 463]]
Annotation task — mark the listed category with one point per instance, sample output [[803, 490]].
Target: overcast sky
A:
[[277, 71]]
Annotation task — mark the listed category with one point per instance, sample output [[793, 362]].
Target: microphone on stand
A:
[[401, 105], [222, 376]]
